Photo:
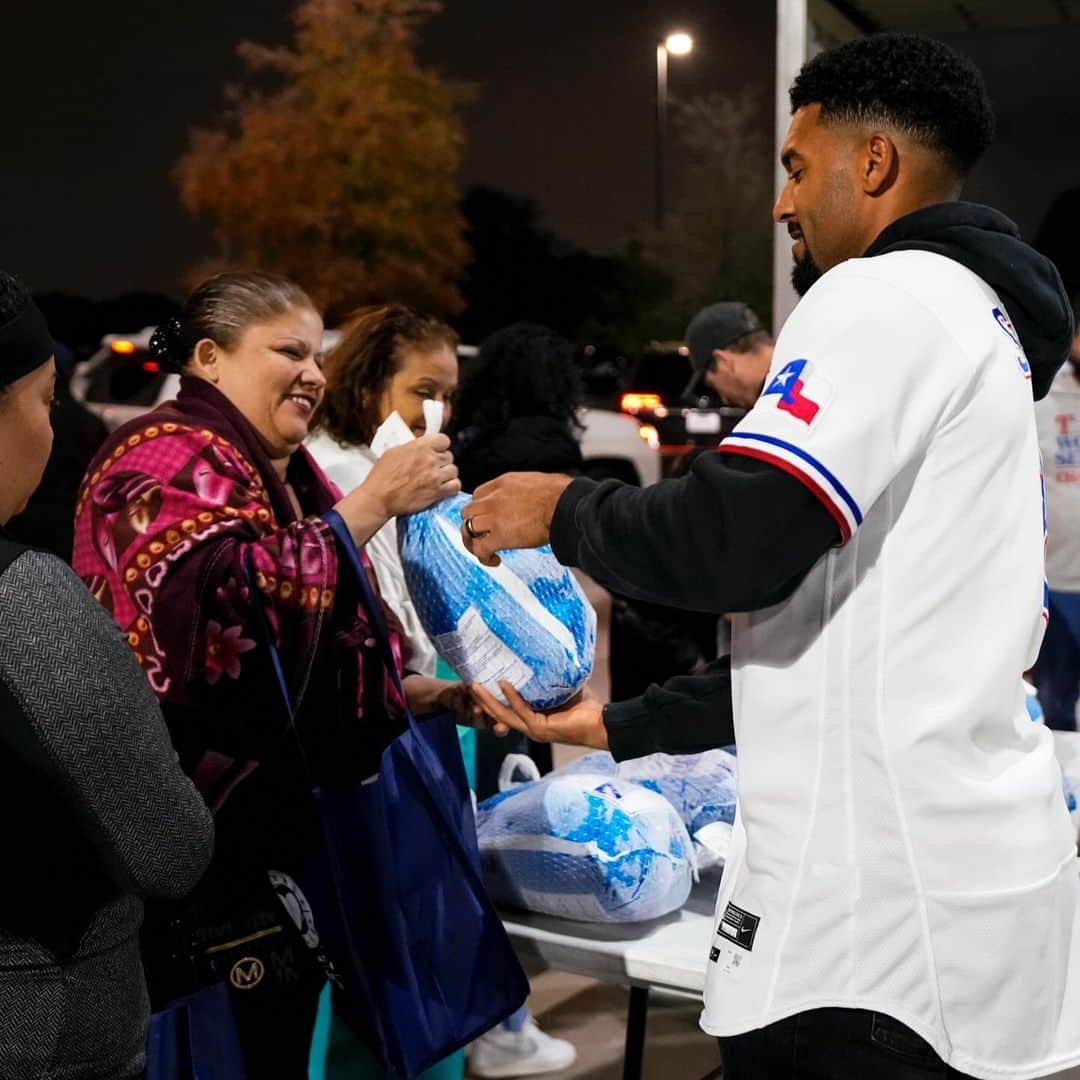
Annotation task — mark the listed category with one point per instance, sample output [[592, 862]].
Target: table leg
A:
[[635, 1032]]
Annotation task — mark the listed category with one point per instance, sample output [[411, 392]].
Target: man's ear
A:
[[717, 356], [881, 164]]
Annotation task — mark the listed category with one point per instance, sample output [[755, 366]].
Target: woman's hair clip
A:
[[167, 345]]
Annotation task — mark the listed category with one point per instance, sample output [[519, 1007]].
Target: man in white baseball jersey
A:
[[903, 892], [1057, 671]]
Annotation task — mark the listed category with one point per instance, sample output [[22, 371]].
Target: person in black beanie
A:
[[97, 811], [48, 521]]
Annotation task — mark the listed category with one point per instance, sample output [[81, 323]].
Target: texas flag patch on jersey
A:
[[798, 392]]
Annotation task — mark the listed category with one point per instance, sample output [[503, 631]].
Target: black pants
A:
[[492, 749], [833, 1044]]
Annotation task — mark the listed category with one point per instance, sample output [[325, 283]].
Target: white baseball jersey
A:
[[902, 842], [1058, 416]]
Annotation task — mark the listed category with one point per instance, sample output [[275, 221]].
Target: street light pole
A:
[[661, 128], [677, 44]]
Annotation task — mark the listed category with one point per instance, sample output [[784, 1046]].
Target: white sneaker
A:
[[527, 1052]]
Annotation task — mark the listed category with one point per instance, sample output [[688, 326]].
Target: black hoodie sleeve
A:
[[989, 245], [687, 715], [735, 534]]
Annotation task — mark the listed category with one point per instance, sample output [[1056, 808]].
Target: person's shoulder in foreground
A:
[[82, 697]]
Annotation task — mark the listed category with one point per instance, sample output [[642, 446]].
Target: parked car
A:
[[655, 393], [121, 382]]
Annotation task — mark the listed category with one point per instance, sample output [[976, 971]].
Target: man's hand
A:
[[580, 722], [514, 511], [738, 377]]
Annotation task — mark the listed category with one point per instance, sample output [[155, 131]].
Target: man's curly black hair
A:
[[908, 82]]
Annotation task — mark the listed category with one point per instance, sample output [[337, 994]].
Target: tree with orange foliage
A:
[[343, 175]]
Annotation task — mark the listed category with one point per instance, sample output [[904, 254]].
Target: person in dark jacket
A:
[[97, 810], [517, 409]]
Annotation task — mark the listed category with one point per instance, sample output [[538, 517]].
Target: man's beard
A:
[[804, 273]]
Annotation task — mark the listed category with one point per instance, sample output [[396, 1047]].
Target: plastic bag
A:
[[585, 846], [526, 622], [701, 788]]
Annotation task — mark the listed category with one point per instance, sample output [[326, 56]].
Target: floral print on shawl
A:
[[170, 515]]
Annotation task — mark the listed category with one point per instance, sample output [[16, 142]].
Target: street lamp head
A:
[[679, 44]]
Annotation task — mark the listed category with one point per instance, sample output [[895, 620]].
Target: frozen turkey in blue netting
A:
[[526, 622], [701, 787], [585, 846]]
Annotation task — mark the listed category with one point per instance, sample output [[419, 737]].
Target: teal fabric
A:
[[320, 1037], [337, 1054], [467, 739], [466, 735]]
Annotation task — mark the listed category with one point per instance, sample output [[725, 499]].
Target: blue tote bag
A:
[[413, 944], [194, 1038]]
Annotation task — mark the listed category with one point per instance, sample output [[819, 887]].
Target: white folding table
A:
[[666, 954]]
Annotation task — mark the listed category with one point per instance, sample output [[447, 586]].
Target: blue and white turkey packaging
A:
[[701, 787], [585, 846], [526, 622]]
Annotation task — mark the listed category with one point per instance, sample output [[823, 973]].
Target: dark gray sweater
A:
[[95, 814]]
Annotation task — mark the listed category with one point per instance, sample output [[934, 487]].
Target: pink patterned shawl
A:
[[169, 512]]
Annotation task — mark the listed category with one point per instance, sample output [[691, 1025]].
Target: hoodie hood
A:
[[989, 245]]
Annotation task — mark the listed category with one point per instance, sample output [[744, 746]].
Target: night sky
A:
[[98, 101]]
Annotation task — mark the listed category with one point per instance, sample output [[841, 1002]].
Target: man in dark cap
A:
[[730, 352]]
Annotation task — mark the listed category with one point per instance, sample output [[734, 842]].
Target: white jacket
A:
[[348, 467]]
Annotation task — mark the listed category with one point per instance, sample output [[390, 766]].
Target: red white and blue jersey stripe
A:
[[804, 467]]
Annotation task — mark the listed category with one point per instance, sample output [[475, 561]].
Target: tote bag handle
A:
[[373, 609], [371, 603]]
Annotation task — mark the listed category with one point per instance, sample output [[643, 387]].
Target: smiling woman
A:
[[180, 511]]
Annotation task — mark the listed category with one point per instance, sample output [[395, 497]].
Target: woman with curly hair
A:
[[391, 359], [517, 410]]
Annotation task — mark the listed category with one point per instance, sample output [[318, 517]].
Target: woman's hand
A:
[[427, 696], [580, 722], [414, 476], [404, 480]]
